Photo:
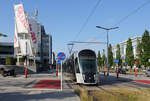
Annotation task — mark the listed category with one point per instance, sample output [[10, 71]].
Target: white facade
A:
[[123, 47]]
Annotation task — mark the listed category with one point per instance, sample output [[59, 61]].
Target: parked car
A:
[[121, 71], [147, 72], [4, 71]]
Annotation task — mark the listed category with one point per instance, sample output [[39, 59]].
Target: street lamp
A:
[[107, 29]]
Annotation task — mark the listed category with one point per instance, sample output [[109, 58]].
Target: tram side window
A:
[[77, 66]]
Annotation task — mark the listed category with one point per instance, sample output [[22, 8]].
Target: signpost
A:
[[60, 57]]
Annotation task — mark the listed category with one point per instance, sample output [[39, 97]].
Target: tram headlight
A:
[[94, 76]]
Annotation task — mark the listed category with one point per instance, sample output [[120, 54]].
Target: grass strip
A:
[[122, 95]]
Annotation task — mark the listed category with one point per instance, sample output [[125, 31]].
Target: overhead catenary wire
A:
[[133, 12], [88, 18], [83, 26], [130, 14], [88, 42]]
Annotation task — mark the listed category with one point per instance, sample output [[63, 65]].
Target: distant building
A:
[[6, 49], [123, 48], [46, 44]]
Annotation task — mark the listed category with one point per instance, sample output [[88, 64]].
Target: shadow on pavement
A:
[[27, 96], [110, 80]]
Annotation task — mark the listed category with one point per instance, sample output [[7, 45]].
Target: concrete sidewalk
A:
[[21, 89]]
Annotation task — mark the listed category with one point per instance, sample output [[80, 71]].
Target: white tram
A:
[[85, 66]]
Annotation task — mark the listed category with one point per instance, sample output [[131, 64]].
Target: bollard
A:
[[25, 69], [56, 70], [104, 70], [117, 75], [26, 73], [104, 73], [135, 73]]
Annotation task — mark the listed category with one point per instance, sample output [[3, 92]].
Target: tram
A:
[[84, 67]]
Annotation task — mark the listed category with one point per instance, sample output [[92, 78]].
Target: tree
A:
[[129, 53], [99, 60], [10, 61], [110, 55], [103, 58], [146, 48], [139, 52], [118, 55], [3, 35]]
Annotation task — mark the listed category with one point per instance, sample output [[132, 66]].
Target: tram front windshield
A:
[[88, 65]]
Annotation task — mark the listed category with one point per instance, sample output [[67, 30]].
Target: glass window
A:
[[88, 65]]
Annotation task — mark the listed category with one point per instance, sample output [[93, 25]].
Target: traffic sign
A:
[[125, 64], [58, 62], [61, 56], [116, 60]]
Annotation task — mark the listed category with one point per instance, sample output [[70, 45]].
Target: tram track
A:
[[109, 92], [107, 86], [90, 88]]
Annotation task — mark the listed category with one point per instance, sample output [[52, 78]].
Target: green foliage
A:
[[146, 48], [118, 55], [104, 58], [21, 59], [99, 60], [129, 53], [139, 52], [3, 35], [110, 55], [10, 61]]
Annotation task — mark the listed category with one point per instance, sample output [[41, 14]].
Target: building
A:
[[6, 49], [31, 41], [46, 47], [123, 48]]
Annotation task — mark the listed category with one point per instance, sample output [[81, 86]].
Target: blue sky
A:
[[64, 18]]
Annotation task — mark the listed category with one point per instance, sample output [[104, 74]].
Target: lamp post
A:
[[107, 30]]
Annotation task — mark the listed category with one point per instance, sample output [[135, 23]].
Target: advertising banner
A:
[[20, 18], [16, 43], [34, 29]]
